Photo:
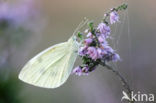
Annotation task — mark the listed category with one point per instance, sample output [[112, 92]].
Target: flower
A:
[[102, 52], [88, 41], [83, 51], [99, 51], [85, 70], [115, 57], [78, 71], [81, 71], [92, 52], [104, 29], [89, 34], [101, 38], [108, 49], [114, 17], [96, 49]]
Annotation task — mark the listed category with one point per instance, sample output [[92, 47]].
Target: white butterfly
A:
[[52, 67]]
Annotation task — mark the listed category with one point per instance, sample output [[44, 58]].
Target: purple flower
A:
[[104, 29], [78, 71], [108, 49], [104, 44], [85, 69], [99, 51], [88, 41], [101, 39], [83, 51], [115, 57], [89, 34], [104, 41], [92, 52], [114, 17]]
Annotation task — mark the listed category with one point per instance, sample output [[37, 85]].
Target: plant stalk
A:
[[121, 78]]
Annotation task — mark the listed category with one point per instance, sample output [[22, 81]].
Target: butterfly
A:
[[52, 67]]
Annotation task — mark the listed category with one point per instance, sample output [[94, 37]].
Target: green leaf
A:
[[91, 26], [80, 35], [122, 7]]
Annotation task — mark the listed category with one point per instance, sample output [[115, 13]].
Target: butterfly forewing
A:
[[52, 67]]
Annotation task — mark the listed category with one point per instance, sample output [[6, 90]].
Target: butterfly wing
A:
[[52, 67]]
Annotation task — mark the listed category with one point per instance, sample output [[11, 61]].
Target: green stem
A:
[[121, 78]]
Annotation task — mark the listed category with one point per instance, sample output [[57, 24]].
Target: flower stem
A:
[[121, 78]]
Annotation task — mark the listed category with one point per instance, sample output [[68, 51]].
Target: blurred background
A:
[[29, 26]]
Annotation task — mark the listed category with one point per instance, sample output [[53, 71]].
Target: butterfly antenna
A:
[[82, 23]]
